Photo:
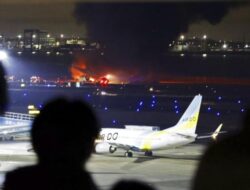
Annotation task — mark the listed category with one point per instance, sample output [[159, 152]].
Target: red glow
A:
[[104, 81]]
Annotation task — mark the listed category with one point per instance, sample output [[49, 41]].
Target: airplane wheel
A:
[[148, 153], [129, 154]]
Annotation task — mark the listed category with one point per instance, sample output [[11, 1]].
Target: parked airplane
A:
[[146, 139], [133, 138]]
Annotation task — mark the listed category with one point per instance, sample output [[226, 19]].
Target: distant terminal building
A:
[[205, 44], [35, 39]]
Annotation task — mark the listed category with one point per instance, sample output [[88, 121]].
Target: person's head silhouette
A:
[[64, 133]]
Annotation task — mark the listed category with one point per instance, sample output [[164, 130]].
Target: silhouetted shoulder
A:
[[40, 178], [225, 165], [131, 184]]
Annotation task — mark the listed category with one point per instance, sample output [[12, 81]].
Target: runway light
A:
[[151, 89], [204, 55], [31, 107], [103, 93], [3, 55]]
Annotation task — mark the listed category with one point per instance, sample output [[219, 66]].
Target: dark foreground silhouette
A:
[[3, 90], [226, 164], [63, 135], [131, 184]]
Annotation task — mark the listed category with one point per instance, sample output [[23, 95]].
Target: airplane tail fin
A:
[[188, 122]]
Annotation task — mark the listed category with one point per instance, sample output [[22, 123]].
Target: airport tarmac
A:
[[169, 169]]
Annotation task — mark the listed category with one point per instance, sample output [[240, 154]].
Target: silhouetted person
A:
[[3, 90], [131, 184], [63, 135], [226, 164]]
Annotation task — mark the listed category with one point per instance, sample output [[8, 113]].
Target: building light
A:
[[224, 46]]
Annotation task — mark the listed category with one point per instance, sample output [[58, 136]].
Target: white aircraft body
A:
[[146, 139]]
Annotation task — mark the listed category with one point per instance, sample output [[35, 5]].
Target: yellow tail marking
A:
[[190, 123], [147, 144]]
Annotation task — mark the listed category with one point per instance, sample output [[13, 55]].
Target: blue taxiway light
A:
[[176, 101], [177, 112], [242, 110], [209, 108], [218, 114], [114, 121], [141, 103], [219, 98], [175, 107], [105, 108], [138, 110], [239, 101]]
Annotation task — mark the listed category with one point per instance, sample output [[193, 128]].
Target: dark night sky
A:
[[57, 17], [135, 40]]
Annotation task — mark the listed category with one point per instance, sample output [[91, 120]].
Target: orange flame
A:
[[78, 69]]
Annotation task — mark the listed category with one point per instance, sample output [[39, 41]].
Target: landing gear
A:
[[128, 154], [148, 153]]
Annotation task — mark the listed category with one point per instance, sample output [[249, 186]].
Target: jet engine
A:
[[104, 148]]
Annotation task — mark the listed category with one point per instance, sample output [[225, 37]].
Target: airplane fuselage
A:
[[143, 140]]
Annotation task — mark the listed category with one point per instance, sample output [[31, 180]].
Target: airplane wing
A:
[[214, 135]]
